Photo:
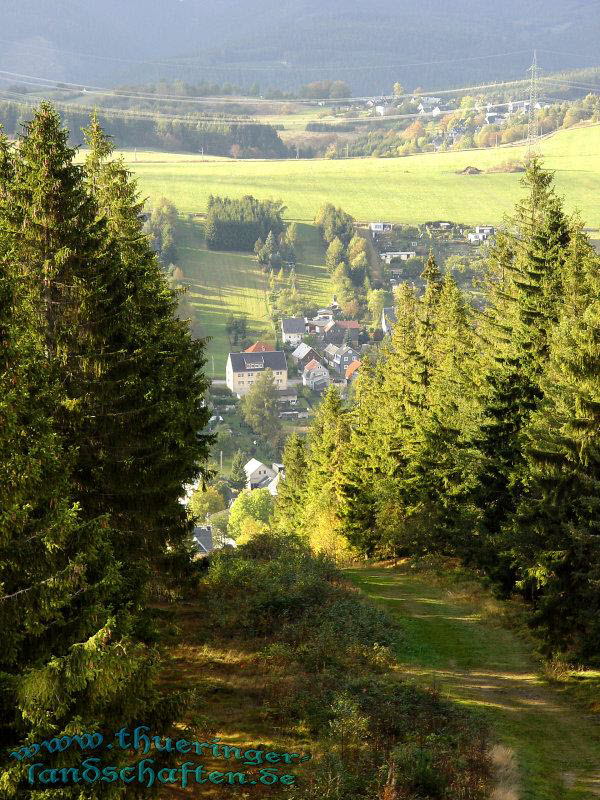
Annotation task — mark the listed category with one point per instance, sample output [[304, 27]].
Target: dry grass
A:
[[233, 684], [506, 773]]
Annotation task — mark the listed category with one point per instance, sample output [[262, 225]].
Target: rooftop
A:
[[351, 369], [314, 364], [256, 362], [292, 325], [302, 350], [260, 347]]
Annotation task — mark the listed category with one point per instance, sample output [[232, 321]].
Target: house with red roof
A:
[[352, 371], [316, 376], [342, 331], [260, 347]]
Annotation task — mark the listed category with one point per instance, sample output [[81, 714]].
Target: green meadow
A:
[[412, 189], [223, 283]]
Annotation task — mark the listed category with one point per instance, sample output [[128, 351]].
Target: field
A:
[[455, 641], [412, 189], [220, 284]]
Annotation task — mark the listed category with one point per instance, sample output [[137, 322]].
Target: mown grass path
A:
[[451, 643]]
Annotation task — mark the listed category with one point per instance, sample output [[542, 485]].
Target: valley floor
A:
[[452, 643]]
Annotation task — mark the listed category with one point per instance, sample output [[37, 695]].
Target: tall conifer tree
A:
[[555, 534]]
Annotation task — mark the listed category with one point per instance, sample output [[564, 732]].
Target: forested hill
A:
[[285, 43]]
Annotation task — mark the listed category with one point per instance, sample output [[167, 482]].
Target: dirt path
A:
[[486, 666]]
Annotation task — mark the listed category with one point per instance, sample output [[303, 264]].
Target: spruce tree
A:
[[326, 448], [151, 388], [70, 660], [291, 492], [237, 476], [555, 534], [105, 399], [525, 293]]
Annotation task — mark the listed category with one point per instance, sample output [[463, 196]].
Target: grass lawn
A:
[[412, 189], [453, 643], [224, 283]]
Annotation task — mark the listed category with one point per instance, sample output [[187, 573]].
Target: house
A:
[[289, 395], [260, 347], [244, 368], [342, 357], [206, 542], [380, 227], [273, 487], [402, 255], [388, 319], [489, 230], [316, 376], [203, 539], [339, 330], [329, 353], [317, 325], [258, 475], [352, 371], [293, 329], [476, 238], [303, 354]]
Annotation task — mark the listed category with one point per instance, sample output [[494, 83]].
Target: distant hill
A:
[[286, 43]]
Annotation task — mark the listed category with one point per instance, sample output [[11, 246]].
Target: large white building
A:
[[243, 369]]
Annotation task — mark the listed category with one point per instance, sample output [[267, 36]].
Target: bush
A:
[[323, 662]]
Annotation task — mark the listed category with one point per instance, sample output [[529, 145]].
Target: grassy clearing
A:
[[230, 677], [223, 283], [455, 641], [413, 189]]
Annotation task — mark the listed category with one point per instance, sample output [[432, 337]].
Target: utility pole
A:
[[534, 91]]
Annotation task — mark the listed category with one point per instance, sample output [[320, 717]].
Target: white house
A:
[[258, 475], [315, 376], [293, 329], [380, 227], [475, 238], [489, 230], [401, 255]]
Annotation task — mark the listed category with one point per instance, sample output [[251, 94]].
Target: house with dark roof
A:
[[340, 330], [339, 358], [206, 541], [292, 330], [203, 539], [303, 354], [243, 369]]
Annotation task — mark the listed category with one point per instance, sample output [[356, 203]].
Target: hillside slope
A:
[[413, 189], [455, 646], [288, 42]]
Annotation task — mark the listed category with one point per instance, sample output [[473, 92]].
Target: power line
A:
[[47, 83], [274, 66], [532, 126]]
